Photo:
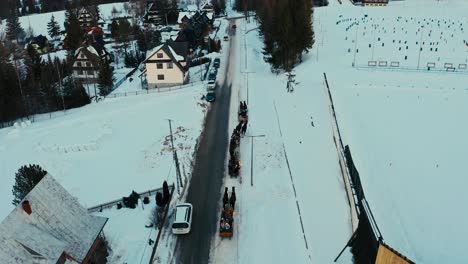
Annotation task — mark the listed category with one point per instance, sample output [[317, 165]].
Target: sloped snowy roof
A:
[[188, 14], [57, 224]]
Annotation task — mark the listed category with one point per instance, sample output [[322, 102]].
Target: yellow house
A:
[[164, 67]]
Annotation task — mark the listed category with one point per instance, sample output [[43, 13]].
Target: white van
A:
[[182, 218]]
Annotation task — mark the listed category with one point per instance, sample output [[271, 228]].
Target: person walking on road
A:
[[225, 197], [232, 199], [244, 127]]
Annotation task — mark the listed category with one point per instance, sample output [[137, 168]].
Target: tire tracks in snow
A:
[[292, 183]]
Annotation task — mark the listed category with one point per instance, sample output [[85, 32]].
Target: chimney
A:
[[27, 207]]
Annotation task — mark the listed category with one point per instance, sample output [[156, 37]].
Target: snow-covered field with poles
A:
[[404, 126], [103, 151]]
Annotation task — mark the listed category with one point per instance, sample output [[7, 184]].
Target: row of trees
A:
[[31, 85], [286, 27], [287, 30], [219, 6]]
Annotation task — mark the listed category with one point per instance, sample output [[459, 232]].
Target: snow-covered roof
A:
[[57, 224], [153, 51], [187, 14], [176, 56]]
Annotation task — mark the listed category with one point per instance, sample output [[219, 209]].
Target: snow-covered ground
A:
[[296, 211], [127, 235], [105, 150], [38, 22], [404, 128]]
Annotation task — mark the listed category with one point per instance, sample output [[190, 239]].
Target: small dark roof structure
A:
[[180, 47]]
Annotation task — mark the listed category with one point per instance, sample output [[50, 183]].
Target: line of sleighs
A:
[[211, 85]]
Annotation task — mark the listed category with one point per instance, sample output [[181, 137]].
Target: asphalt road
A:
[[204, 191]]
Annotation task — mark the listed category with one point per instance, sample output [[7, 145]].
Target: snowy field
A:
[[404, 128], [103, 151], [38, 22], [127, 235], [377, 37]]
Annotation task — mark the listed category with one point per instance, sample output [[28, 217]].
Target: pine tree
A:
[[286, 27], [74, 31], [25, 179], [74, 93], [114, 29], [13, 28], [53, 28], [106, 78]]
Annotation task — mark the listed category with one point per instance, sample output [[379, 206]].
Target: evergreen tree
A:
[[286, 27], [123, 35], [13, 28], [114, 29], [106, 78], [74, 93], [74, 32], [53, 28], [25, 179], [219, 6]]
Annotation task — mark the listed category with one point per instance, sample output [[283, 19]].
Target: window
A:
[[78, 64], [88, 64], [159, 65], [189, 214], [90, 72], [159, 55], [80, 72], [160, 76], [170, 65]]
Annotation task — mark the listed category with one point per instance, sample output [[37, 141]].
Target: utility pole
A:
[[247, 79], [176, 160], [251, 157]]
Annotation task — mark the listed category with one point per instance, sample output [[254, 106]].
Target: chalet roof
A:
[[187, 14], [57, 224], [180, 48], [94, 53], [92, 10], [175, 58]]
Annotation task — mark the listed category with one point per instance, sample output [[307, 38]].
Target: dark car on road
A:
[[210, 96], [216, 62]]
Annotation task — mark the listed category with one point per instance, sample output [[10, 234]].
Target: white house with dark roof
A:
[[49, 226], [164, 67]]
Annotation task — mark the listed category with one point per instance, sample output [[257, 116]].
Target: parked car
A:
[[234, 26], [210, 96], [213, 70], [211, 85], [182, 219], [216, 62], [211, 76], [226, 38]]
